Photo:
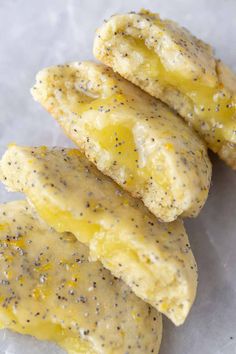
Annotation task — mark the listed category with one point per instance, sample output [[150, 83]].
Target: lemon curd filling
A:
[[63, 221], [116, 137], [213, 105], [119, 141]]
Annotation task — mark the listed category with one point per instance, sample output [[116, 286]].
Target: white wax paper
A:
[[39, 33]]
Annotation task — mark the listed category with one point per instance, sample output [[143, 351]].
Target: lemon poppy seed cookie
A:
[[130, 136], [50, 290], [70, 194]]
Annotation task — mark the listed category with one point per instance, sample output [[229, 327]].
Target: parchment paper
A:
[[35, 34]]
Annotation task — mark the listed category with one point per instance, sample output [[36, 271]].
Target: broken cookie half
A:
[[169, 63], [130, 136], [50, 290], [71, 195]]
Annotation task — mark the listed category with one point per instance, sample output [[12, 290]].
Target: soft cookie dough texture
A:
[[130, 136], [50, 290], [71, 195], [169, 63]]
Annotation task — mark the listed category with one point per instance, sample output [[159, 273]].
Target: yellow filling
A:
[[46, 331], [59, 219], [117, 138], [211, 104], [64, 221]]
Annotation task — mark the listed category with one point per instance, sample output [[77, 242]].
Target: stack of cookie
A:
[[99, 250]]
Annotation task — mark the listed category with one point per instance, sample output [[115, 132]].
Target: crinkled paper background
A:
[[39, 33]]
